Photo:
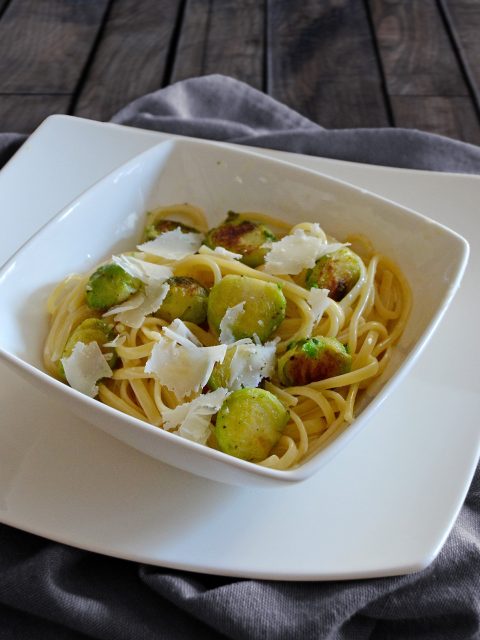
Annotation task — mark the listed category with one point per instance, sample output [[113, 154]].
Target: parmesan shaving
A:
[[193, 418], [231, 316], [179, 332], [251, 363], [318, 300], [221, 252], [181, 365], [173, 245], [296, 252], [147, 272], [117, 342], [133, 312], [84, 367]]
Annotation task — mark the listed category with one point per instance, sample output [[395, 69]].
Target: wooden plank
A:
[[45, 45], [23, 113], [131, 58], [322, 62], [416, 53], [222, 36], [464, 18], [448, 116]]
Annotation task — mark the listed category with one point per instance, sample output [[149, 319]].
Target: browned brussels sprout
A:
[[186, 299], [241, 236], [314, 359], [338, 272]]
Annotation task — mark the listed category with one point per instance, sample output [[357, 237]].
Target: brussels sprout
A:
[[186, 299], [263, 311], [241, 236], [161, 226], [90, 330], [110, 285], [249, 423], [339, 272], [220, 376], [314, 359]]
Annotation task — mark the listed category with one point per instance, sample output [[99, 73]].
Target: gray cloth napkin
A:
[[51, 591]]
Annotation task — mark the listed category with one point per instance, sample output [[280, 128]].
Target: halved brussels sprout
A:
[[161, 226], [263, 310], [91, 330], [241, 236], [314, 359], [250, 422], [338, 272], [186, 299], [109, 286]]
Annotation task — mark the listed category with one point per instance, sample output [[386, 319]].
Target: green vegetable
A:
[[338, 272], [263, 311], [249, 423], [241, 236], [109, 286], [314, 359], [186, 299]]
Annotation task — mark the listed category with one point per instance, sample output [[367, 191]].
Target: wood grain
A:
[[222, 36], [415, 50], [464, 18], [321, 62], [23, 113], [131, 57], [44, 44]]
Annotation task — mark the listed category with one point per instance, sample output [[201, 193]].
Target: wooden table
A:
[[342, 63]]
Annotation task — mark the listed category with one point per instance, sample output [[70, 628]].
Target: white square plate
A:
[[375, 518]]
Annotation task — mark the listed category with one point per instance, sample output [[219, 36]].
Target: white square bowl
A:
[[109, 217]]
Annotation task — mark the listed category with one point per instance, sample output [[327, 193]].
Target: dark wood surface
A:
[[342, 63]]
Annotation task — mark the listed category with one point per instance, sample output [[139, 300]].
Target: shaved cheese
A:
[[318, 300], [84, 367], [231, 316], [147, 272], [181, 365], [251, 363], [193, 418], [173, 245], [133, 312], [116, 342], [221, 252], [179, 332], [132, 303], [296, 252]]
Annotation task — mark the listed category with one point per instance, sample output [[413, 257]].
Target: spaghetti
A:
[[369, 320]]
